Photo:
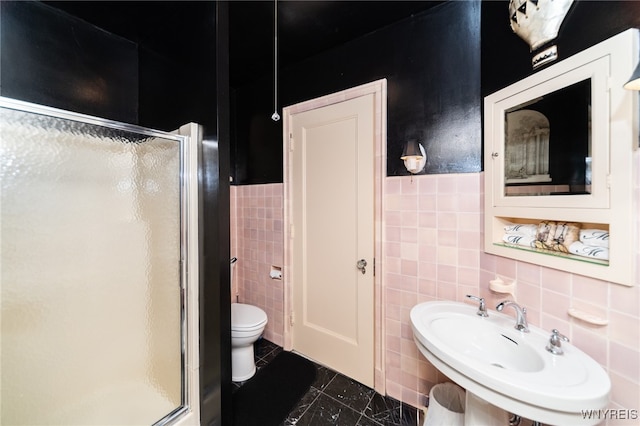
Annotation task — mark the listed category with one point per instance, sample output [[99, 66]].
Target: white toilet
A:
[[247, 324]]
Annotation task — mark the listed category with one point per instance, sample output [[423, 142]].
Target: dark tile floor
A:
[[334, 399]]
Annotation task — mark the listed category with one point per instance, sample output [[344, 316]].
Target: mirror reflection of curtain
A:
[[527, 147]]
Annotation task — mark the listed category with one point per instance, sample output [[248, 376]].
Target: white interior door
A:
[[332, 152]]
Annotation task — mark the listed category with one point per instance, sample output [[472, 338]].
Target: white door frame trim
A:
[[379, 90]]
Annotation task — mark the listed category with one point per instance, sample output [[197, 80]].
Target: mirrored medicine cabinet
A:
[[559, 149]]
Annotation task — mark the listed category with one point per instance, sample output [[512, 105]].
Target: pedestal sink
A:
[[508, 368]]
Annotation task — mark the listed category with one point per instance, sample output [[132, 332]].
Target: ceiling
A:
[[305, 28]]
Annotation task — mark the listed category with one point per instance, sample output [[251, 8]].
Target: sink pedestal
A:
[[480, 412]]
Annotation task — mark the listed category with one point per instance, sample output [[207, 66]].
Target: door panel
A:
[[333, 221]]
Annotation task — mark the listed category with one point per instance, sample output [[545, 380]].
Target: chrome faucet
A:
[[521, 315]]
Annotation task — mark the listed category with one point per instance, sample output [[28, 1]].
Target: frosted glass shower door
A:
[[92, 290]]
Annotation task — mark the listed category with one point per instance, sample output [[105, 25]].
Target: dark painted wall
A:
[[439, 66], [52, 58], [506, 57], [215, 290], [430, 62]]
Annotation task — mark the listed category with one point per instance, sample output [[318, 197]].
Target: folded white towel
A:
[[528, 229], [581, 249], [520, 240], [595, 237]]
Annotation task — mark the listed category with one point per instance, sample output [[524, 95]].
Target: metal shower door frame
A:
[[189, 137]]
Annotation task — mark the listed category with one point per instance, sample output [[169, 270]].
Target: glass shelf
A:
[[555, 254]]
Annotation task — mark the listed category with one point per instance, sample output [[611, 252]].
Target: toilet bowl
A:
[[247, 324]]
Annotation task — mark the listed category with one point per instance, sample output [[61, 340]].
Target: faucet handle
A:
[[482, 309], [555, 342]]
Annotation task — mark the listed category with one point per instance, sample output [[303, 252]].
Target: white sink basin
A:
[[487, 343], [508, 368]]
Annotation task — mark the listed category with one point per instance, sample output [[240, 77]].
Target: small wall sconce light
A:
[[414, 156], [634, 81]]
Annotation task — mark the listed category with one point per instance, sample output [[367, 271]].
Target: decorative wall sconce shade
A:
[[414, 156], [634, 81], [537, 22]]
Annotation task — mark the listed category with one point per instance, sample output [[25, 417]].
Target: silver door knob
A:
[[362, 264]]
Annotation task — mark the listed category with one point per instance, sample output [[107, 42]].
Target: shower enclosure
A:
[[98, 271]]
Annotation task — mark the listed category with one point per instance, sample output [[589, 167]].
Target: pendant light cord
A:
[[275, 116]]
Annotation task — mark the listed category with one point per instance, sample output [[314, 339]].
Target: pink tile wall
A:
[[432, 245], [433, 251], [257, 242]]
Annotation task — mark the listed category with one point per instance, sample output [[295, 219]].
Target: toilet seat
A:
[[247, 317]]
